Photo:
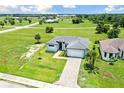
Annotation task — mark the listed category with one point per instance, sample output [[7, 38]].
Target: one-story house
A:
[[112, 48], [73, 46], [51, 21]]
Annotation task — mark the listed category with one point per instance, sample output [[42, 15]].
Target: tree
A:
[[5, 21], [76, 20], [99, 28], [102, 28], [20, 20], [116, 24], [29, 20], [113, 33], [2, 23], [12, 22], [122, 21], [49, 30], [106, 28], [91, 57], [37, 37], [40, 22]]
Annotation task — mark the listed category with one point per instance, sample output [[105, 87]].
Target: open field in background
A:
[[67, 23], [8, 25], [14, 44]]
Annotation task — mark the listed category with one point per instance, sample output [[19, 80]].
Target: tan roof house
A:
[[112, 48]]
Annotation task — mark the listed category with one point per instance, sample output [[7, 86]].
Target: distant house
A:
[[112, 48], [65, 15], [73, 46], [51, 21]]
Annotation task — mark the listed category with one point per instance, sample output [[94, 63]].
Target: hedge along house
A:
[[73, 46], [112, 49]]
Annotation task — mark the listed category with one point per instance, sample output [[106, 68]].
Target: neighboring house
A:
[[51, 21], [112, 48], [65, 15], [73, 46]]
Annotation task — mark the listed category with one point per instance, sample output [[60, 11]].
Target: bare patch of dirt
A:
[[109, 75]]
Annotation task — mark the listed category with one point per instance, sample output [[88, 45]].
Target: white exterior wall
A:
[[63, 46], [121, 54], [107, 55], [52, 48], [75, 53]]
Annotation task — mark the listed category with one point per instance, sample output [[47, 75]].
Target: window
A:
[[110, 55], [122, 54], [51, 45], [105, 54]]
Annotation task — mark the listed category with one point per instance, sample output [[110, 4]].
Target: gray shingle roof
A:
[[72, 41], [112, 45]]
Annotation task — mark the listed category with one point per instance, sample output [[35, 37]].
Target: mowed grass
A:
[[46, 69], [8, 25], [109, 76], [14, 45], [66, 23]]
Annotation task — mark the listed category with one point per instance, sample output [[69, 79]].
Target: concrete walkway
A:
[[17, 28], [32, 50], [69, 75], [28, 82]]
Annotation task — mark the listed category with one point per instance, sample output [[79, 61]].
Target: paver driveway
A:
[[70, 73]]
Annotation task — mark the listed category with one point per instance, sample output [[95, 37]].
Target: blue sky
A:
[[61, 9]]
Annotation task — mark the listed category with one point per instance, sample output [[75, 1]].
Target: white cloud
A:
[[121, 9], [69, 6], [26, 9], [42, 8], [110, 8], [113, 8]]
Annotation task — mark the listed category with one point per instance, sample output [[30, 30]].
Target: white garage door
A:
[[75, 53]]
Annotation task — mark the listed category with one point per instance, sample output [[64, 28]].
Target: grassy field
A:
[[108, 76], [66, 23], [8, 25], [13, 47], [15, 43]]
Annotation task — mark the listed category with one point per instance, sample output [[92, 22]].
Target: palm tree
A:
[[91, 57]]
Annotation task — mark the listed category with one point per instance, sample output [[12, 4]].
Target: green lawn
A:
[[109, 76], [47, 69], [8, 25], [66, 23], [13, 47], [14, 44]]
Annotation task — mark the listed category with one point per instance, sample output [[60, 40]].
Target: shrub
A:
[[111, 63], [29, 20], [96, 42], [37, 37], [12, 22], [49, 29], [40, 22], [75, 21], [2, 23]]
